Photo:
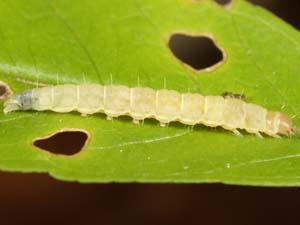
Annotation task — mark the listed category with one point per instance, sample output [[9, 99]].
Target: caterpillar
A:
[[163, 105]]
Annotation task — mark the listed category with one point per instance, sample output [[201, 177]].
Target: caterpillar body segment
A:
[[164, 105]]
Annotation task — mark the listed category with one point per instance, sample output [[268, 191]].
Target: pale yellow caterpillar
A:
[[163, 105]]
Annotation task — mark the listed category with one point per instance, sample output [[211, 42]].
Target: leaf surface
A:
[[126, 42]]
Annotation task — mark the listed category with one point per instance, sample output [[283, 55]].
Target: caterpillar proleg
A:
[[163, 105]]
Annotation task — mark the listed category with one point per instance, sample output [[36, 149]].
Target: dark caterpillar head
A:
[[21, 101]]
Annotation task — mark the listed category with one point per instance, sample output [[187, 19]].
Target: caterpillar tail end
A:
[[11, 104]]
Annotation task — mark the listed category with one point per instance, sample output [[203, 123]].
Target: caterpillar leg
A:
[[108, 117], [275, 136], [259, 135], [162, 124], [237, 133], [136, 121]]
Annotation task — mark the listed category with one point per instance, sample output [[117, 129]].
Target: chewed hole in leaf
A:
[[65, 142], [5, 90], [223, 2], [199, 52]]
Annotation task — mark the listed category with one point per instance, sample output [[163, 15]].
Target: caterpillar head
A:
[[280, 123], [20, 101]]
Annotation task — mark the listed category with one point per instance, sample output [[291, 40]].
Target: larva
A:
[[163, 105]]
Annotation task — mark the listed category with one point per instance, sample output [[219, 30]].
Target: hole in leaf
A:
[[66, 142], [223, 2], [5, 91], [287, 10], [199, 52]]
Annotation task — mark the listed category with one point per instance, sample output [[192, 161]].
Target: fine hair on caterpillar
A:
[[163, 105]]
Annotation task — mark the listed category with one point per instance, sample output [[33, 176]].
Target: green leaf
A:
[[50, 42]]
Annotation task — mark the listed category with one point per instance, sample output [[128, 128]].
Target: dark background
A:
[[39, 199]]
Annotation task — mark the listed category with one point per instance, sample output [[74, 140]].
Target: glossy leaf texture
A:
[[126, 42]]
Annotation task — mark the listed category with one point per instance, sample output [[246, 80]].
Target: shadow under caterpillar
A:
[[163, 105]]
